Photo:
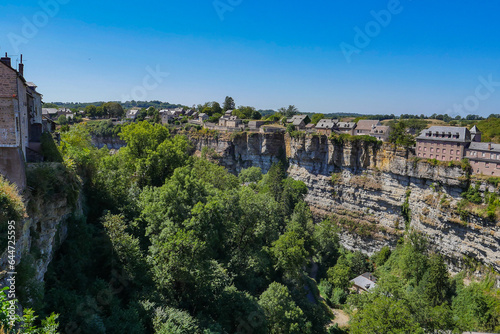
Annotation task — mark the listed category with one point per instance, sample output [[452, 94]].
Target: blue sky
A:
[[426, 57]]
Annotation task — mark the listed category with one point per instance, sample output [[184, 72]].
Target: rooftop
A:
[[446, 133], [485, 147], [326, 123], [367, 124]]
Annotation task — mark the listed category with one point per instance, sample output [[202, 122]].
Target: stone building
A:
[[381, 132], [20, 121], [299, 121], [326, 126], [484, 158], [445, 143], [347, 127], [365, 126]]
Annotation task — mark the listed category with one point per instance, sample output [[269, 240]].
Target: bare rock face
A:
[[366, 184]]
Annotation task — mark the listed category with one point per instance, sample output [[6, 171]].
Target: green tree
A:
[[435, 280], [228, 103], [113, 109], [385, 316], [339, 274], [290, 111], [90, 111], [62, 120], [289, 254], [251, 174], [282, 314], [316, 118]]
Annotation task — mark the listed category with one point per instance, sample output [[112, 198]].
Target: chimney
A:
[[489, 146], [21, 67], [5, 60]]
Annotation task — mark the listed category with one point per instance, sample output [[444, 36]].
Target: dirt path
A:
[[341, 318]]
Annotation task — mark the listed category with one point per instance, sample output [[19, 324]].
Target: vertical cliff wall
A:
[[367, 184]]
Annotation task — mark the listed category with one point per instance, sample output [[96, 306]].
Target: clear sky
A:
[[417, 56]]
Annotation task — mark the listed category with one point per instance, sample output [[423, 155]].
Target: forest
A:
[[170, 242]]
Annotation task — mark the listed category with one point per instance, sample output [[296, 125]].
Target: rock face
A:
[[367, 184], [40, 234]]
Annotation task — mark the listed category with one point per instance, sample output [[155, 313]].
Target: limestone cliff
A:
[[40, 233], [367, 184]]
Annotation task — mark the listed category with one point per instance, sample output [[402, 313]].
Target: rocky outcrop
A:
[[366, 185], [40, 234]]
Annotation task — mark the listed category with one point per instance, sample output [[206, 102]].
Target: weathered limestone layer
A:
[[366, 184]]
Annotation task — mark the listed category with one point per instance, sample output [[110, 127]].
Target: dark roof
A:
[[326, 123], [485, 147], [380, 129], [346, 125], [446, 133], [474, 130], [363, 282], [297, 119]]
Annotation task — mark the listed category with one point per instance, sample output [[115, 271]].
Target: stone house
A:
[[365, 126], [484, 158], [326, 126], [203, 117], [346, 127], [234, 122], [132, 113], [364, 283], [381, 132], [256, 124], [50, 112], [299, 121], [20, 121], [166, 117], [445, 143], [223, 120]]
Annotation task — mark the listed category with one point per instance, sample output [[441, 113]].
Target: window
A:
[[484, 154], [451, 152], [443, 157], [420, 148], [432, 156], [493, 156], [458, 152], [498, 166], [419, 154], [456, 158], [425, 149], [437, 150], [444, 150], [432, 149], [487, 165], [424, 155]]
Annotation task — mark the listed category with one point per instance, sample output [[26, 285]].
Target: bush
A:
[[11, 208], [49, 180], [252, 174]]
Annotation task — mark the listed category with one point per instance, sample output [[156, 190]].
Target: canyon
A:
[[366, 185]]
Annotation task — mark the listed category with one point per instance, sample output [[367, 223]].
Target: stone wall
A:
[[8, 87]]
